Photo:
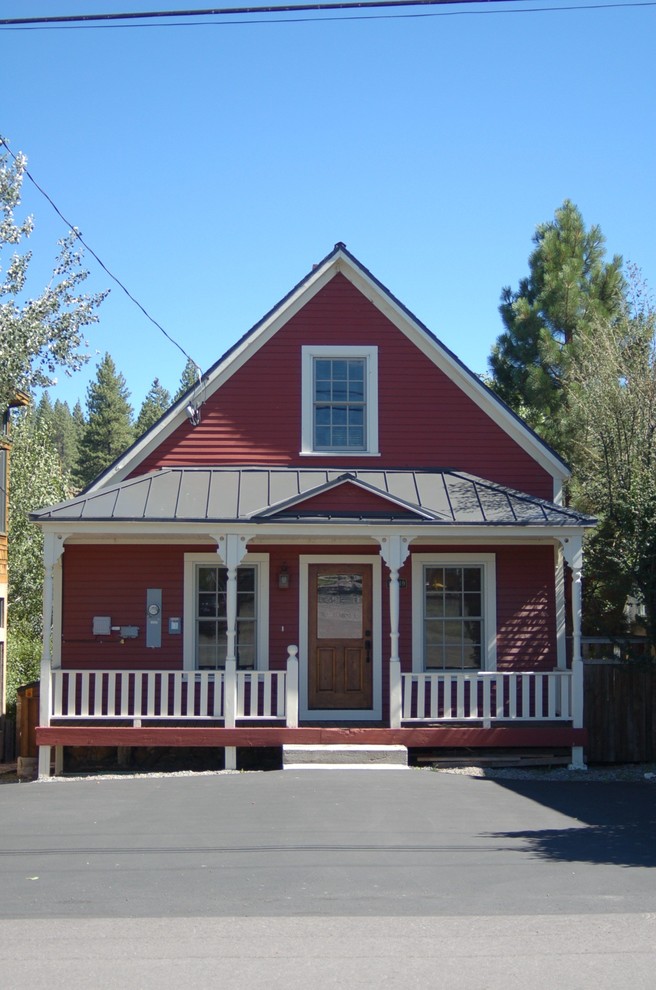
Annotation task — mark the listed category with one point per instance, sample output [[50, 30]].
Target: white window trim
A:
[[485, 560], [261, 563], [370, 355], [358, 714]]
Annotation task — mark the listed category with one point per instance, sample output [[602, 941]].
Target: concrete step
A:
[[344, 757]]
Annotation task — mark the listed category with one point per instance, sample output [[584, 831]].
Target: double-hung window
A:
[[340, 400], [206, 614], [454, 611]]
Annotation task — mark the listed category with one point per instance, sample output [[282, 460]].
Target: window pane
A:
[[453, 578], [434, 605], [339, 606], [207, 578], [207, 605], [434, 656], [472, 604], [472, 579], [452, 604]]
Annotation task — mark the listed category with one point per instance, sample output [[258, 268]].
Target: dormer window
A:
[[340, 400]]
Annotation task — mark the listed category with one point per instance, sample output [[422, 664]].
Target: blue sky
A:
[[211, 165]]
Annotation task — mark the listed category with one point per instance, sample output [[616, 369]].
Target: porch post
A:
[[573, 552], [394, 550], [232, 549], [291, 700], [53, 547]]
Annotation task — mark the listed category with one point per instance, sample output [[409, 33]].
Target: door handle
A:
[[367, 647]]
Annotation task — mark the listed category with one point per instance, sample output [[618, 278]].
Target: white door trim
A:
[[375, 713]]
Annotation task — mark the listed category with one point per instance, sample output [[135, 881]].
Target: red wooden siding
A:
[[526, 608], [112, 580], [424, 419], [350, 498]]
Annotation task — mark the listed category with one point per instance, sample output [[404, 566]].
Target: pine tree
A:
[[108, 430], [154, 405], [188, 380], [65, 435], [570, 291]]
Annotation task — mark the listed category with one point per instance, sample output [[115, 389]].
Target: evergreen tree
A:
[[570, 291], [65, 435], [188, 380], [108, 430], [154, 405]]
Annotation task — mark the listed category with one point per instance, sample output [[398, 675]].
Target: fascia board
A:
[[293, 533], [447, 362]]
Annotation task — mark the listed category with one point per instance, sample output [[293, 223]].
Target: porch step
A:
[[344, 757]]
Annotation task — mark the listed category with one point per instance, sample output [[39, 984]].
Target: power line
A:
[[100, 19], [102, 264]]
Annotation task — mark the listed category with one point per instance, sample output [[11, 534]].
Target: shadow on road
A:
[[618, 822]]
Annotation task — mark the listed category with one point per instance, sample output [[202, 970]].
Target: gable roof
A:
[[339, 260], [261, 495]]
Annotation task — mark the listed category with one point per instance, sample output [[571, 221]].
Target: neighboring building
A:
[[341, 533], [20, 400]]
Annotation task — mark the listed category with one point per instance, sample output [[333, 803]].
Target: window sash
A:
[[210, 605], [339, 403], [453, 616]]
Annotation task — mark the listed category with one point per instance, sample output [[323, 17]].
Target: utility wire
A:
[[102, 264], [95, 19]]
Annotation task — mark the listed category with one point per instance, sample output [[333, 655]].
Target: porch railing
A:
[[139, 694], [488, 696]]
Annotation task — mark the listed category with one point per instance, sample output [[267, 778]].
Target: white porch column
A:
[[573, 553], [291, 683], [53, 548], [232, 550], [394, 551]]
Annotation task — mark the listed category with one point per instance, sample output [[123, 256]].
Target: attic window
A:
[[340, 400]]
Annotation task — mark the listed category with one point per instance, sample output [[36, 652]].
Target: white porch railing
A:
[[488, 696], [159, 694]]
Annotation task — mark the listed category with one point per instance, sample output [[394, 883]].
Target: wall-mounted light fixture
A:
[[283, 576]]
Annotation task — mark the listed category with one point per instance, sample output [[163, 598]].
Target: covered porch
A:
[[518, 683]]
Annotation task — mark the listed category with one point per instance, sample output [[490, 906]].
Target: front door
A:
[[339, 642]]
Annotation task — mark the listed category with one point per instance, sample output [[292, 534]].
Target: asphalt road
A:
[[328, 879]]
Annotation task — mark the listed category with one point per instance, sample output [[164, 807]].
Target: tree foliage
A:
[[36, 480], [154, 405], [42, 333], [108, 430], [612, 398], [188, 379], [570, 292]]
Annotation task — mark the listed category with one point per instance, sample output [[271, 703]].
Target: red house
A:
[[339, 536]]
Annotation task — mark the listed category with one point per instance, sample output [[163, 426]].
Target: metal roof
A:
[[259, 494]]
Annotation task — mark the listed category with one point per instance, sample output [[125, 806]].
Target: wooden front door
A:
[[340, 654]]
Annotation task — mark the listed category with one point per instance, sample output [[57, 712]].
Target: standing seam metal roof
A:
[[256, 494]]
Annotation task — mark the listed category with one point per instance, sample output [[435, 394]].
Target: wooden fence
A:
[[620, 711]]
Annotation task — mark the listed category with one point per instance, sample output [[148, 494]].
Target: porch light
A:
[[283, 576]]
